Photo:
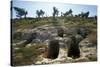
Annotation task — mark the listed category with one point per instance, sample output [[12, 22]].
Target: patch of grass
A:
[[93, 37], [26, 56], [92, 57], [22, 24], [80, 20]]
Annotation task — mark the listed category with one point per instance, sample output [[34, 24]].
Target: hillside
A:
[[31, 39]]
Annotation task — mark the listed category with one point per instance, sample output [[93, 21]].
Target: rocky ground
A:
[[43, 34]]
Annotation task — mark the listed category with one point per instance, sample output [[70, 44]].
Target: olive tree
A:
[[20, 12]]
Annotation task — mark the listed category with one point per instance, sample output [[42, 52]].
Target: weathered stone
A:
[[43, 36], [27, 40], [83, 31], [78, 38], [30, 38], [60, 32], [17, 35], [21, 44], [53, 49]]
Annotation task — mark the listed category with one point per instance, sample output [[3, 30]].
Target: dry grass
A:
[[92, 37], [26, 56]]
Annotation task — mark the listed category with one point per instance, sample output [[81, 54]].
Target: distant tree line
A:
[[68, 13], [83, 15], [40, 13]]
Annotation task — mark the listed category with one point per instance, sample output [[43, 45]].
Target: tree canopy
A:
[[20, 12], [40, 13], [68, 13], [55, 12]]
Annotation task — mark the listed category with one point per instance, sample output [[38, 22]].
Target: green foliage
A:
[[55, 12], [20, 12], [80, 20], [83, 14], [39, 13], [25, 56], [68, 13], [42, 12], [29, 23]]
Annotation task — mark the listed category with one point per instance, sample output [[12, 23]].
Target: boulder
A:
[[60, 32]]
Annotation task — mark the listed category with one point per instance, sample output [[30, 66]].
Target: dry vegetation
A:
[[26, 55], [34, 53]]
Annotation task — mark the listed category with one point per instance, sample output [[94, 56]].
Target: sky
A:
[[32, 6]]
